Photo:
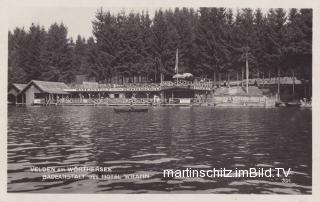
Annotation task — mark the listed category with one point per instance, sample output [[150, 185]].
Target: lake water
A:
[[145, 144]]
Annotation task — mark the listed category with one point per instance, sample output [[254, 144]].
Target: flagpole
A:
[[247, 70], [177, 63]]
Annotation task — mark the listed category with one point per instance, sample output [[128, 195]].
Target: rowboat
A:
[[131, 109], [293, 104]]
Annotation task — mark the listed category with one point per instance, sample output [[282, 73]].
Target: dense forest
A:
[[135, 47]]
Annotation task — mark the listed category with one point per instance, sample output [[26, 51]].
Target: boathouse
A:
[[13, 93], [184, 92], [43, 92]]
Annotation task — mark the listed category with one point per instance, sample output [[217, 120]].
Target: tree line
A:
[[213, 43]]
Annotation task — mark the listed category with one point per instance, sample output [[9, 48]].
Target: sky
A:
[[77, 19]]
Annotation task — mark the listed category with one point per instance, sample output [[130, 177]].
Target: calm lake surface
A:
[[163, 138]]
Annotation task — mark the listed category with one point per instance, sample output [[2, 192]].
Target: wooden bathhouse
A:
[[13, 93], [42, 92]]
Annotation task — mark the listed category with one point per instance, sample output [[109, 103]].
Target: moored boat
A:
[[293, 104], [305, 103], [306, 106]]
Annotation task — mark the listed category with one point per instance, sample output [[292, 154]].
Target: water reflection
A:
[[163, 138]]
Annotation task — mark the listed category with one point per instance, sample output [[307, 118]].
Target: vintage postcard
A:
[[204, 100]]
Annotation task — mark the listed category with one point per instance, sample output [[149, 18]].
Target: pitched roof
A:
[[18, 86], [49, 86]]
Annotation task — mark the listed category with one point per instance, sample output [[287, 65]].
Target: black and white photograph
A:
[[160, 100]]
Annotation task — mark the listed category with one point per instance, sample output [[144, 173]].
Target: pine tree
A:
[[146, 47], [36, 39], [212, 41], [164, 45], [129, 57], [134, 47], [80, 54], [184, 22], [306, 43], [56, 56], [259, 45], [107, 34], [17, 52], [276, 41], [92, 68]]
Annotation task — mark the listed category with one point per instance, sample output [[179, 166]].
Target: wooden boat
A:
[[305, 104], [293, 104], [131, 109]]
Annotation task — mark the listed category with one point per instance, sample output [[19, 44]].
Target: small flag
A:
[[176, 65]]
